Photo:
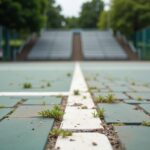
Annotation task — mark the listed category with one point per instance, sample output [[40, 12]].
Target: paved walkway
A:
[[83, 83]]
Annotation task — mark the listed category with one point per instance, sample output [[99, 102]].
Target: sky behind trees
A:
[[73, 7]]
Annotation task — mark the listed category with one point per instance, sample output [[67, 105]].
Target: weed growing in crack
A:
[[92, 88], [48, 84], [68, 74], [76, 92], [66, 133], [99, 113], [100, 99], [139, 98], [59, 132], [133, 83], [27, 85], [55, 133], [1, 106], [108, 99], [145, 123], [84, 107], [118, 124], [55, 113]]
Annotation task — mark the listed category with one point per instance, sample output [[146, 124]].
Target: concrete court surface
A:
[[129, 82]]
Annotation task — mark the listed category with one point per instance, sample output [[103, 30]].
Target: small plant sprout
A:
[[118, 124], [57, 107], [84, 107], [110, 98], [76, 92], [100, 99], [48, 84], [55, 113], [133, 83], [145, 123], [27, 85], [59, 132], [139, 98], [1, 106], [92, 88], [99, 113], [55, 133], [68, 74], [66, 133]]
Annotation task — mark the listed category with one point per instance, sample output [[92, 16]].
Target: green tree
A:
[[54, 17], [103, 22], [129, 16], [90, 13], [71, 22], [23, 15]]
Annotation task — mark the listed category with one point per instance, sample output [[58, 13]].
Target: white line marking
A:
[[34, 93], [78, 82], [71, 120], [77, 119]]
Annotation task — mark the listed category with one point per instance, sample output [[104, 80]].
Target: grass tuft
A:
[[118, 124], [139, 98], [76, 92], [59, 132], [27, 85], [108, 99], [68, 74], [1, 106], [48, 84], [145, 123], [55, 113], [99, 113], [111, 98], [100, 99]]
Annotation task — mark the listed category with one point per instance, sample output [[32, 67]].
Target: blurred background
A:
[[78, 30]]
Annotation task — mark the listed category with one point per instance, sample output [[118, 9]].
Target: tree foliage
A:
[[103, 22], [90, 13], [20, 15], [129, 16], [72, 22], [54, 17]]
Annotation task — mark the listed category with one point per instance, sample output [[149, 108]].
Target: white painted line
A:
[[84, 100], [84, 141], [75, 118], [34, 93], [78, 82], [80, 119]]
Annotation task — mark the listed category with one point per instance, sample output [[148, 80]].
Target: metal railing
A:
[[141, 41]]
